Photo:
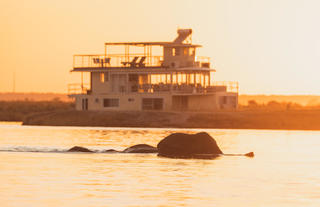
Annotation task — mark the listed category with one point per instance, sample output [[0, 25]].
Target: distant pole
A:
[[14, 82]]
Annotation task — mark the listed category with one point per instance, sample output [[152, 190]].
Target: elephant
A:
[[200, 145], [176, 145]]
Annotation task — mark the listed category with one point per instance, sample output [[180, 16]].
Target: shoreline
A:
[[263, 120]]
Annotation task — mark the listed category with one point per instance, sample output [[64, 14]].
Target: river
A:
[[36, 170]]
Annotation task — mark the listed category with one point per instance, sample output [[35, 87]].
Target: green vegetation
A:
[[18, 110]]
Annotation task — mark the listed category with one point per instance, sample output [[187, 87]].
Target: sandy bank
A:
[[296, 119]]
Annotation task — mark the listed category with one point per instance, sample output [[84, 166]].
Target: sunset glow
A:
[[269, 47]]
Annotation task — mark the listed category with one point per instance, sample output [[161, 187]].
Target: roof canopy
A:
[[183, 35], [143, 44]]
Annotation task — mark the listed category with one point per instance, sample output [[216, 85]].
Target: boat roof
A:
[[153, 69], [142, 44], [180, 41]]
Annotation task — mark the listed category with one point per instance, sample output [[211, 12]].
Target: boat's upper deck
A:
[[133, 61], [178, 54]]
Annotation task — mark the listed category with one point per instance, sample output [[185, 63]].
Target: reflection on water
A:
[[285, 171]]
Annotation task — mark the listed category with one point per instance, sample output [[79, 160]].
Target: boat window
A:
[[181, 78], [168, 78], [84, 104], [159, 78], [223, 99], [175, 51], [191, 51], [152, 103], [102, 77], [106, 76], [191, 78], [206, 80], [111, 102], [211, 78], [143, 79], [133, 77], [185, 51], [118, 82], [174, 78]]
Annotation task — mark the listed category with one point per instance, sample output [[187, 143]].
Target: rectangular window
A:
[[191, 78], [106, 76], [152, 103], [84, 104], [176, 51], [191, 51], [133, 77], [119, 83], [157, 103], [102, 77], [223, 99], [185, 51], [168, 78], [110, 102]]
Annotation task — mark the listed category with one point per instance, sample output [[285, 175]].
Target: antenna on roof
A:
[[183, 34]]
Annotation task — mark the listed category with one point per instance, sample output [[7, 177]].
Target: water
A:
[[35, 170]]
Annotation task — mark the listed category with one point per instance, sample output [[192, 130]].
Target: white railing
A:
[[78, 88], [202, 61], [220, 86], [115, 60], [231, 86], [223, 86]]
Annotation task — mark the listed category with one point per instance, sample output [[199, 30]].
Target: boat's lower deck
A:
[[159, 101]]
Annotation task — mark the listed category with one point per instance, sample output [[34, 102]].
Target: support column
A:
[[81, 81], [171, 85], [177, 78], [127, 83]]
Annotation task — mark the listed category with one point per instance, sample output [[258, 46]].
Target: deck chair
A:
[[133, 63], [107, 60], [104, 62], [141, 62]]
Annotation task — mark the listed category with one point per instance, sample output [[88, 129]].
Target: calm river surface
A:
[[35, 170]]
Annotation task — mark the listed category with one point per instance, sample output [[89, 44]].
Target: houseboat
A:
[[137, 78]]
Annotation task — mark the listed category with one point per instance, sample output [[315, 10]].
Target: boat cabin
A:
[[163, 76]]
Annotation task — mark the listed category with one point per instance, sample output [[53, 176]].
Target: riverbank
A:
[[58, 113], [291, 119], [19, 110]]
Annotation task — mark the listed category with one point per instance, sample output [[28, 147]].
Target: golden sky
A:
[[268, 46]]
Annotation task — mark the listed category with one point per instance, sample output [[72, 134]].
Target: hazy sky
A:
[[268, 46]]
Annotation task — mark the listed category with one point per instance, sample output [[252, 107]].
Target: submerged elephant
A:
[[200, 145], [139, 148], [79, 149]]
